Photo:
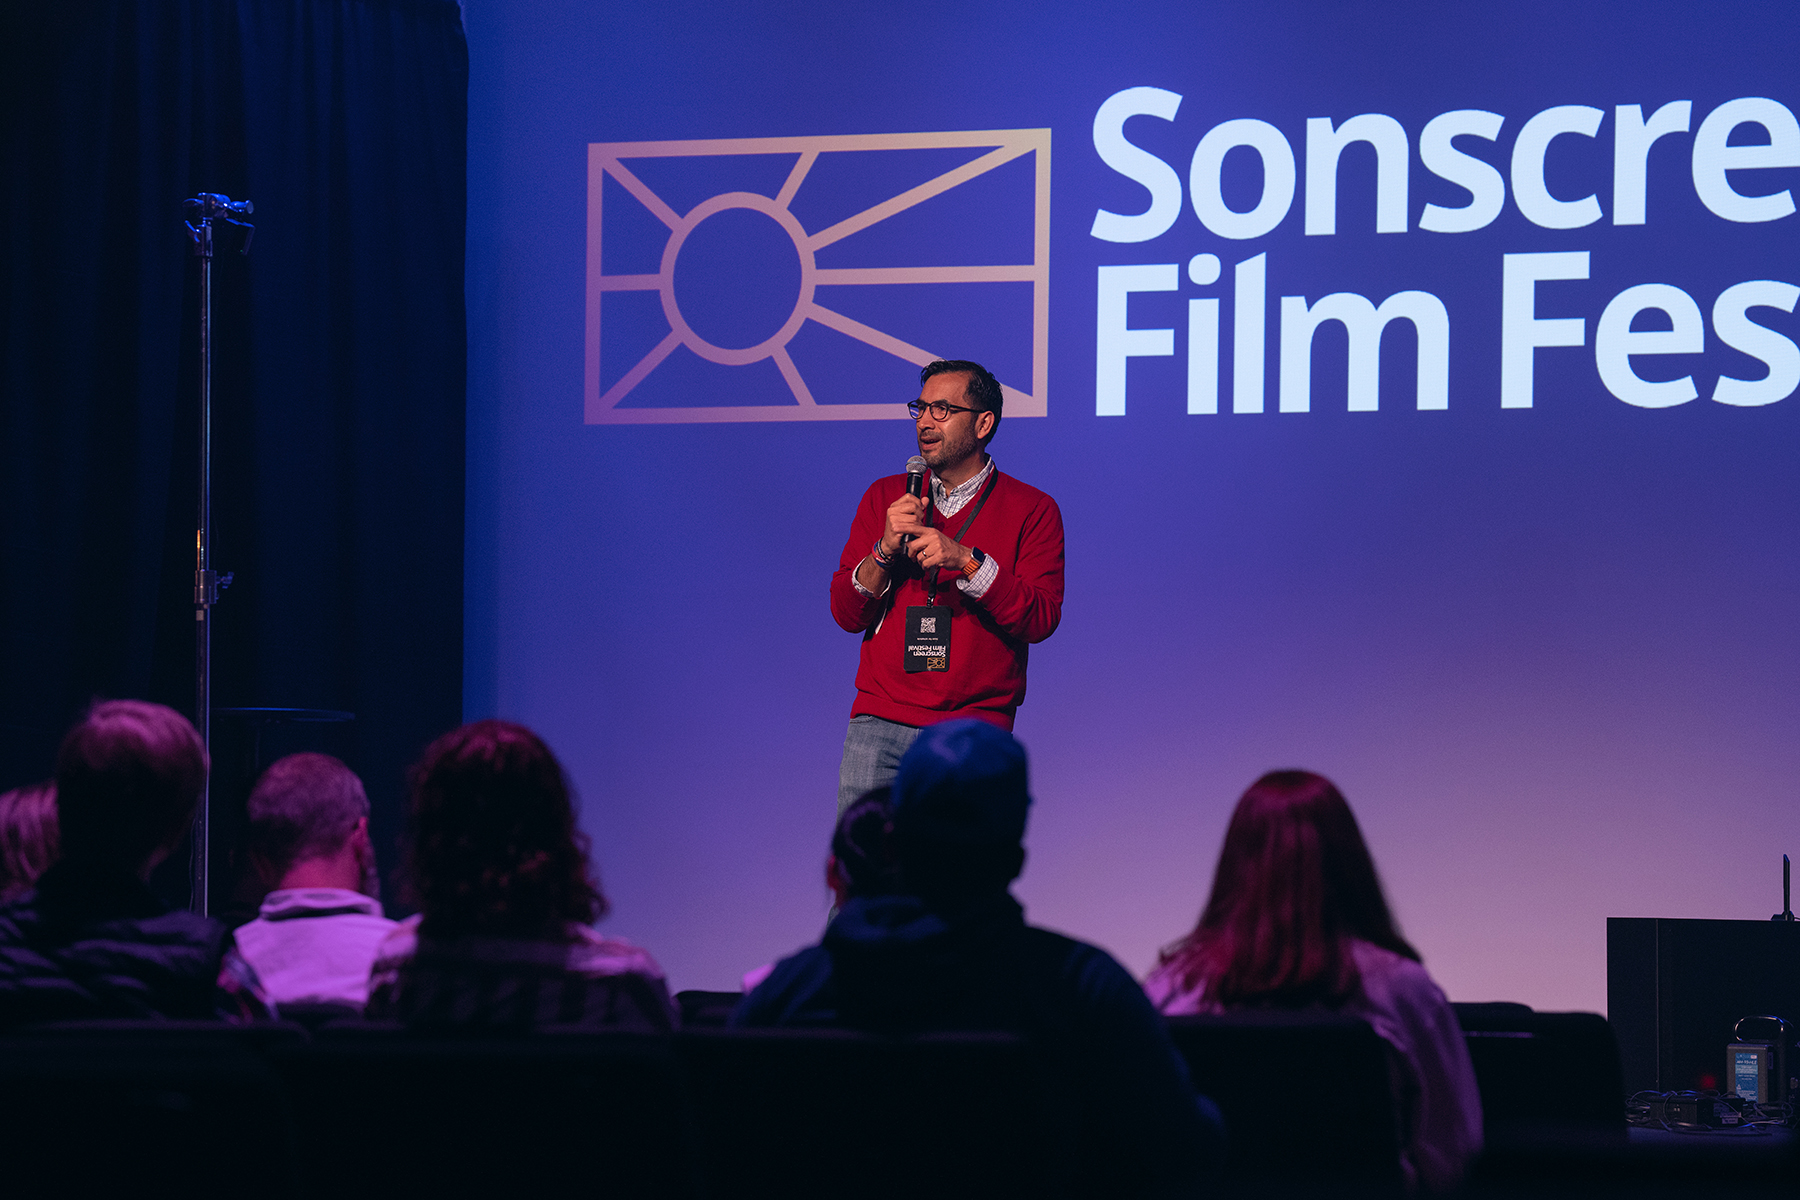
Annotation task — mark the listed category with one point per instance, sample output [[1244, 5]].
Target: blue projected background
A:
[[1524, 583]]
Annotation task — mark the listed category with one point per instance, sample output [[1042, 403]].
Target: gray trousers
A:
[[872, 752]]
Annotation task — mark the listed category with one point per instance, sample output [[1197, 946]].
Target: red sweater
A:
[[1020, 528]]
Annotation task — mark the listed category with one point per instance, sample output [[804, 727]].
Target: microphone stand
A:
[[207, 207]]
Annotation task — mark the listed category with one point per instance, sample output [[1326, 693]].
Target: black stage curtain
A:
[[339, 351]]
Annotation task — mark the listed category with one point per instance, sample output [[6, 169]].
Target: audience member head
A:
[[309, 826], [27, 837], [960, 799], [128, 778], [493, 847], [862, 859], [1294, 885]]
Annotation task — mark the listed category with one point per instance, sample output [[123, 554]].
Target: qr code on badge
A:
[[927, 624]]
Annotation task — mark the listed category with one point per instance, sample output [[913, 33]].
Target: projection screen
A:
[[1416, 382]]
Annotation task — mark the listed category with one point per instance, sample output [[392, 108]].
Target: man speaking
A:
[[952, 570]]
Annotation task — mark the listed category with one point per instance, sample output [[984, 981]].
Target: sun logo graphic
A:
[[777, 279]]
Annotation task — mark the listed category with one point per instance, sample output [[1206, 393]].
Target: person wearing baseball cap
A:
[[954, 953]]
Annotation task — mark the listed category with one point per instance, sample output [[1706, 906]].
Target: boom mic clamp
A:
[[211, 206]]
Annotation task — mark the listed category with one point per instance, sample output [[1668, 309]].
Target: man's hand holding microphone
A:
[[905, 532]]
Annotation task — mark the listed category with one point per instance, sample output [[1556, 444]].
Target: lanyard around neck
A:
[[986, 491]]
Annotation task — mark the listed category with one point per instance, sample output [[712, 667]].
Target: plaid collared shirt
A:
[[949, 502]]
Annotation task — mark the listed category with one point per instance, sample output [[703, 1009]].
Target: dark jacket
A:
[[891, 964], [93, 941]]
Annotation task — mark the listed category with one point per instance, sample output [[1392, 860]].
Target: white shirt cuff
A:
[[856, 583]]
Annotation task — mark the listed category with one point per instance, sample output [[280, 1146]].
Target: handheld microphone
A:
[[915, 486]]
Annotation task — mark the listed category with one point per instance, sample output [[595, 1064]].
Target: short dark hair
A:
[[128, 778], [863, 844], [493, 846], [28, 842], [304, 806], [982, 391]]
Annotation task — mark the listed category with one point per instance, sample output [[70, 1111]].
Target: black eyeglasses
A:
[[938, 409]]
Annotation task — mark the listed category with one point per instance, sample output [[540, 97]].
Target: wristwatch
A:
[[976, 559]]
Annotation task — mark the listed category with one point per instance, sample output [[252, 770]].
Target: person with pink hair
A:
[[1297, 919], [28, 841]]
